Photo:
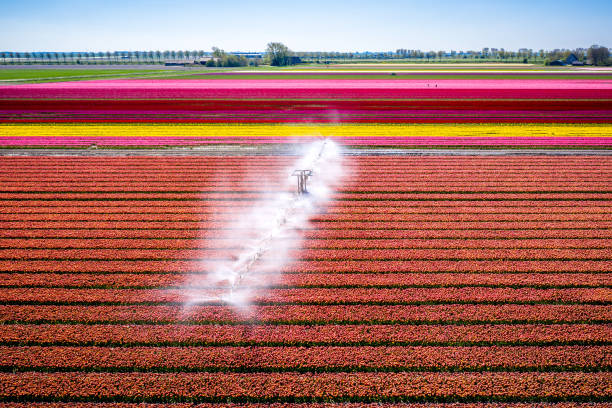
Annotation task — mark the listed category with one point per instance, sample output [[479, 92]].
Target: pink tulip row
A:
[[382, 164]]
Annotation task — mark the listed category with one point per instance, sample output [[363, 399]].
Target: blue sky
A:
[[343, 25]]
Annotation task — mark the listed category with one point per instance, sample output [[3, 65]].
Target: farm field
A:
[[430, 279], [552, 109], [406, 278]]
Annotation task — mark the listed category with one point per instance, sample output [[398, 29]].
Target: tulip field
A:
[[357, 109], [477, 280]]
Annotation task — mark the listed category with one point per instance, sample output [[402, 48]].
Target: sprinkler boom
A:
[[302, 178]]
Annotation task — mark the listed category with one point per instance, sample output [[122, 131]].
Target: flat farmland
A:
[[453, 246], [421, 280]]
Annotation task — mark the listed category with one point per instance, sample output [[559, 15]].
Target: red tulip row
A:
[[456, 234], [317, 295], [353, 166], [349, 179], [534, 166], [407, 176], [319, 279], [326, 334], [434, 187], [404, 173], [274, 162], [312, 254], [307, 385], [315, 225], [197, 195], [346, 206], [310, 358], [113, 106], [345, 266], [399, 243], [308, 314], [322, 217], [220, 208], [359, 176]]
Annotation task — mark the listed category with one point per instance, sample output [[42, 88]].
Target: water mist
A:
[[267, 233]]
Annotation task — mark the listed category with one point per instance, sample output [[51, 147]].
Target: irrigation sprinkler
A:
[[302, 177]]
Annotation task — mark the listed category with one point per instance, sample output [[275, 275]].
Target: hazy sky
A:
[[311, 25]]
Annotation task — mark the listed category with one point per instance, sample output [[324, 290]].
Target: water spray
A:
[[316, 170], [243, 267]]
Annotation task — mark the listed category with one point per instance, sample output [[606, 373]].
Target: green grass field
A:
[[53, 74], [304, 71]]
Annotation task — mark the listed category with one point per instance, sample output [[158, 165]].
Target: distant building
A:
[[249, 55], [571, 59], [177, 63], [557, 63]]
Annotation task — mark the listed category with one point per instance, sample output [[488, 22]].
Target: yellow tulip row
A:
[[283, 130]]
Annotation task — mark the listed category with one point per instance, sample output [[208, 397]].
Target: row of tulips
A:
[[197, 195], [212, 216], [390, 279], [462, 234], [314, 225], [351, 267], [315, 358], [303, 405], [237, 188], [76, 141], [316, 295], [78, 334], [416, 116], [312, 314], [315, 267], [373, 386], [313, 243], [313, 254], [245, 105]]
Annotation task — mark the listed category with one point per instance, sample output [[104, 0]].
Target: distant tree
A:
[[277, 54], [217, 53], [599, 55], [223, 59]]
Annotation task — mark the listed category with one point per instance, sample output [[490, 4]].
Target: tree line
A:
[[278, 54]]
